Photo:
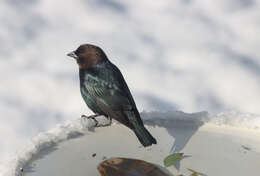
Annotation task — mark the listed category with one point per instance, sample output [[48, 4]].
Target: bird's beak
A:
[[72, 54]]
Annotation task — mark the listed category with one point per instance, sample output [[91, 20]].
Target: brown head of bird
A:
[[88, 55]]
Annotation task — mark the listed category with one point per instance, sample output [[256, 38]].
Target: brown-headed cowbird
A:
[[105, 91]]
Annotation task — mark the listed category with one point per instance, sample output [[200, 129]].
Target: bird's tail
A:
[[144, 136]]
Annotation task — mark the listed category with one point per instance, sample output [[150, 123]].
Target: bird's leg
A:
[[91, 117], [102, 121]]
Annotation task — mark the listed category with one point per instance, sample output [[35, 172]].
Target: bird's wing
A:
[[89, 100], [110, 92]]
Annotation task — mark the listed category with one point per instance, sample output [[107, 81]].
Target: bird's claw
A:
[[91, 117], [99, 122], [95, 120]]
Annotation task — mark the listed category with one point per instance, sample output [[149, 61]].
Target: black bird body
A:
[[105, 91]]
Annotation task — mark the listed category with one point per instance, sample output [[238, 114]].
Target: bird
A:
[[105, 90]]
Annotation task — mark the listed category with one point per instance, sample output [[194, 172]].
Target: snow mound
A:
[[229, 118], [236, 119], [75, 128], [61, 132]]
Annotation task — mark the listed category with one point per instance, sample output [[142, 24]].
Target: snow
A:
[[229, 118], [162, 120]]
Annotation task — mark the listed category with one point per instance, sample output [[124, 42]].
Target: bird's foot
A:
[[84, 117], [90, 117], [95, 120]]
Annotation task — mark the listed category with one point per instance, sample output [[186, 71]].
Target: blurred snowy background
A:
[[188, 55]]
